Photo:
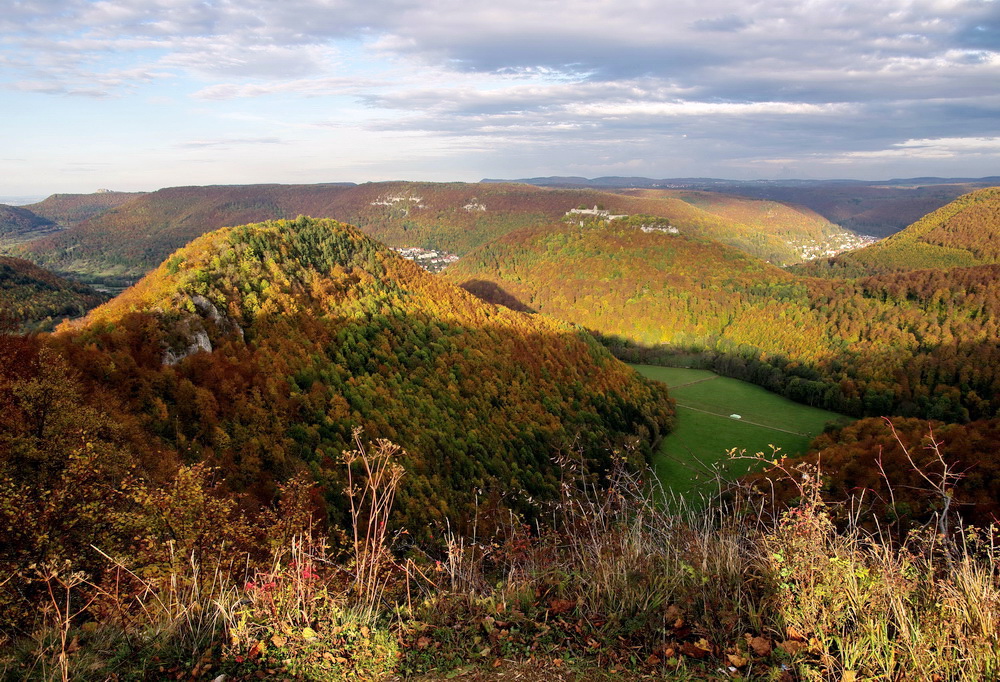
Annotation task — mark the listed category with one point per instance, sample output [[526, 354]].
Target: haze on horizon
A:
[[142, 94]]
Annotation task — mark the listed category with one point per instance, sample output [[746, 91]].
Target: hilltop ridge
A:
[[875, 346], [118, 242], [326, 330], [35, 299], [963, 233]]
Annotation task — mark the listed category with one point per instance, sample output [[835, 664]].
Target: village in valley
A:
[[429, 259]]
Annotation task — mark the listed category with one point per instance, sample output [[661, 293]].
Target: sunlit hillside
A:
[[921, 343], [33, 299], [122, 240], [963, 233]]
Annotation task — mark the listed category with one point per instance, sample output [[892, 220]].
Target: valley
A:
[[379, 341], [716, 415], [428, 415], [71, 234]]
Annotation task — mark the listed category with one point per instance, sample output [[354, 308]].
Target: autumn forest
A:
[[240, 433]]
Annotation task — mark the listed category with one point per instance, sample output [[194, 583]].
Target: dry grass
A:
[[614, 579]]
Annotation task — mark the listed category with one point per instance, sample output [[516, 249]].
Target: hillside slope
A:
[[778, 232], [876, 208], [315, 329], [921, 343], [68, 210], [33, 299], [963, 233], [19, 224], [127, 241]]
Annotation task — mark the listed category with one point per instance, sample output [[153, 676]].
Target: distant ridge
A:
[[963, 233], [16, 222], [117, 244], [694, 183], [873, 207], [68, 210], [34, 299]]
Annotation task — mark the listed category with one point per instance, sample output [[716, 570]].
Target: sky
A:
[[142, 94]]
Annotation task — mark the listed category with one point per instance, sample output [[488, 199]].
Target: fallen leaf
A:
[[794, 634], [365, 631], [308, 633], [558, 606], [423, 642], [760, 645], [737, 661], [695, 650], [497, 663], [278, 641], [849, 676], [792, 647], [255, 650]]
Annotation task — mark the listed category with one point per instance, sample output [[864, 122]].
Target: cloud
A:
[[229, 143], [940, 148], [727, 24], [756, 79], [315, 87]]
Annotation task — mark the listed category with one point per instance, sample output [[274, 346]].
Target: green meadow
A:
[[706, 430]]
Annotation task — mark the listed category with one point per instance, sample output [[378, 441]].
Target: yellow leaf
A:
[[308, 633], [737, 661]]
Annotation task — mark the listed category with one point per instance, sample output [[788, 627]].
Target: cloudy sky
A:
[[141, 94]]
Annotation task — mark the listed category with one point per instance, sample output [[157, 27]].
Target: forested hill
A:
[[314, 329], [922, 343], [962, 233], [68, 210], [121, 242], [18, 223], [877, 208], [34, 299]]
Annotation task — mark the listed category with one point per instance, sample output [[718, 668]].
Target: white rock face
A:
[[198, 341]]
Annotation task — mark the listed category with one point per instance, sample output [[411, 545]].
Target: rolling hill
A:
[[313, 329], [780, 233], [123, 242], [877, 208], [19, 224], [963, 233], [68, 210], [922, 343], [33, 299]]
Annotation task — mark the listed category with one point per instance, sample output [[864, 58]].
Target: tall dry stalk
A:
[[60, 582], [373, 476]]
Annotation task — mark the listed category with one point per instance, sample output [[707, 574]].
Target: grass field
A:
[[705, 430]]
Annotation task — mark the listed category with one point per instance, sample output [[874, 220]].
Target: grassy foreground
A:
[[696, 450], [611, 582]]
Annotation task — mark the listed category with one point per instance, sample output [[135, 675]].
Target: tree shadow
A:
[[493, 293]]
